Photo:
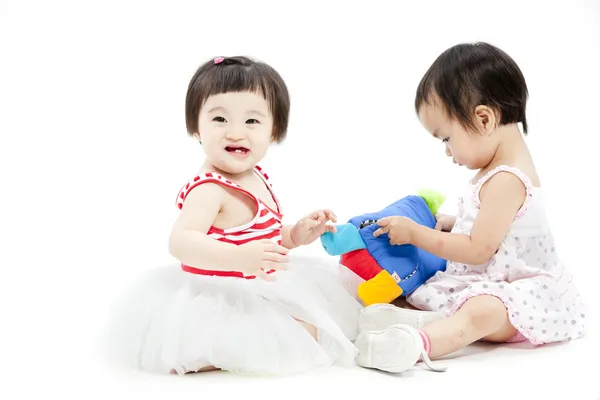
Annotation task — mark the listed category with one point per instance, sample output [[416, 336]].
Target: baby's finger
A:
[[380, 231], [330, 215], [320, 216], [384, 221], [313, 215], [330, 228], [311, 223], [272, 247], [275, 257]]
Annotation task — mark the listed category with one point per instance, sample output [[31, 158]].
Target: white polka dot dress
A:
[[526, 273]]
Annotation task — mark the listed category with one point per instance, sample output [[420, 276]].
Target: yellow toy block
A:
[[380, 289]]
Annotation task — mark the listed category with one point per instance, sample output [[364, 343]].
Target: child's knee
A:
[[484, 312], [503, 335]]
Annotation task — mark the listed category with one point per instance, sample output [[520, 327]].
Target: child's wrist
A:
[[292, 241], [413, 231]]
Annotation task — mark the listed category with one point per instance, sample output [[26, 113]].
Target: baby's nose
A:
[[235, 133]]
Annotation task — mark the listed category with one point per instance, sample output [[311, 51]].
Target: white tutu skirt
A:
[[175, 320]]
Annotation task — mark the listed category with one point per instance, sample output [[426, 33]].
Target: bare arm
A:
[[500, 200], [189, 242], [286, 237], [308, 229]]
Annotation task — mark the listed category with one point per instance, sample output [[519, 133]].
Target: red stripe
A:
[[241, 234], [269, 235], [265, 225], [277, 213], [199, 271], [256, 228], [213, 180], [255, 231], [232, 274], [218, 231]]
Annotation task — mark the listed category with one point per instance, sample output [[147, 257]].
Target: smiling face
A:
[[473, 149], [235, 129]]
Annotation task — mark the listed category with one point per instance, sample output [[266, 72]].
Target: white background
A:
[[93, 151]]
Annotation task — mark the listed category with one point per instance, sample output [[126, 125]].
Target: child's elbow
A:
[[479, 259], [482, 255]]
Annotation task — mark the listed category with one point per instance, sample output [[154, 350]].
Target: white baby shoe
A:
[[394, 349]]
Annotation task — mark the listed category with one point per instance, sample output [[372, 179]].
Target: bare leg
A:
[[399, 347], [481, 317], [311, 329]]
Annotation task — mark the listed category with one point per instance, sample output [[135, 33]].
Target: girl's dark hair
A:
[[238, 74], [468, 75]]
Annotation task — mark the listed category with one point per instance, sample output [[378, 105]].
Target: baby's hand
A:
[[258, 256], [399, 229], [445, 223], [311, 227]]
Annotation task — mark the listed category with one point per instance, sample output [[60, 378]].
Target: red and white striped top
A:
[[266, 223]]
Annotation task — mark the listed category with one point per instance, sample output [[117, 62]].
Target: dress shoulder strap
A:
[[515, 171], [263, 175], [207, 177]]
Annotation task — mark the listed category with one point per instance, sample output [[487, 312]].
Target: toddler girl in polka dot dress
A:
[[504, 280]]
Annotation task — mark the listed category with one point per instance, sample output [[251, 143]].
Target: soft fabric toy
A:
[[389, 271]]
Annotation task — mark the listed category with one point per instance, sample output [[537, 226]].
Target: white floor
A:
[[484, 372], [509, 372]]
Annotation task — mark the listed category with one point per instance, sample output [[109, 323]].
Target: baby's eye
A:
[[219, 119], [252, 121]]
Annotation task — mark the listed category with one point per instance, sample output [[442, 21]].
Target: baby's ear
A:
[[485, 118], [196, 135]]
